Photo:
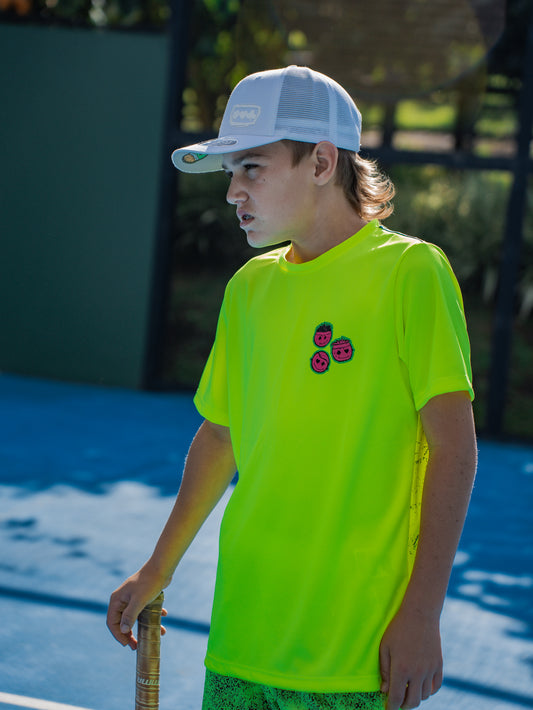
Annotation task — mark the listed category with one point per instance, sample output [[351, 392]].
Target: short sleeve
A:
[[431, 327], [211, 398]]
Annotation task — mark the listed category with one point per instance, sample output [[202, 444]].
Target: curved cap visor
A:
[[207, 156]]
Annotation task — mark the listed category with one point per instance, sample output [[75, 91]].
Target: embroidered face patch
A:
[[342, 349], [320, 362], [323, 335]]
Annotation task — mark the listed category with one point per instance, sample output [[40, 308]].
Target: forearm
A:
[[209, 469], [410, 650], [448, 485]]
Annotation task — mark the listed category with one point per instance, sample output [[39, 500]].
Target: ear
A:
[[325, 156]]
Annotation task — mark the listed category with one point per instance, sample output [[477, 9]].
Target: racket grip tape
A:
[[148, 654]]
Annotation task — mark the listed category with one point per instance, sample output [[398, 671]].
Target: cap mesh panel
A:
[[304, 111], [303, 106], [345, 116]]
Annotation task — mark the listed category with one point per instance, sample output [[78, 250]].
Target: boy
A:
[[339, 386]]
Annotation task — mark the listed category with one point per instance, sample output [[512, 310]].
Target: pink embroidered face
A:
[[323, 335], [320, 362], [342, 349]]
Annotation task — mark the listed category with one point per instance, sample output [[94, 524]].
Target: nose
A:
[[235, 194]]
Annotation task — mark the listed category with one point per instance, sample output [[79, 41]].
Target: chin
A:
[[261, 241]]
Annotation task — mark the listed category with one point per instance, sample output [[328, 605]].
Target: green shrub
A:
[[462, 212]]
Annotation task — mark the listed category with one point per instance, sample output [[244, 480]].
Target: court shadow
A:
[[494, 566], [54, 433]]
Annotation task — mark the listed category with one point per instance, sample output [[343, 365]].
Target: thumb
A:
[[125, 624], [129, 617]]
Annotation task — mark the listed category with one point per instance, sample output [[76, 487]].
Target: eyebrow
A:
[[243, 159]]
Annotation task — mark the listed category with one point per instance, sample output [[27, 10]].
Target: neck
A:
[[330, 227]]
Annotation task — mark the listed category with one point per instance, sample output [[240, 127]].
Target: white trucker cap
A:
[[295, 103]]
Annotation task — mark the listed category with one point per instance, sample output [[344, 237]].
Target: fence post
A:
[[161, 279], [511, 251]]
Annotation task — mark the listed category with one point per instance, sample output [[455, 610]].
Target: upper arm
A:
[[448, 423], [220, 432]]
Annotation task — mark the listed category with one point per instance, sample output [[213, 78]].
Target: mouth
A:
[[245, 219]]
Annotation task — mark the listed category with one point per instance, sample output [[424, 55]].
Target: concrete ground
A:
[[87, 478]]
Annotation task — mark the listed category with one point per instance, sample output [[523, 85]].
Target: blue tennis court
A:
[[87, 478]]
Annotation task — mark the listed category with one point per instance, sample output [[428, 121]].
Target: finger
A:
[[431, 684], [397, 689], [164, 612], [396, 698], [129, 617], [384, 666], [436, 682], [413, 696], [131, 642], [427, 686]]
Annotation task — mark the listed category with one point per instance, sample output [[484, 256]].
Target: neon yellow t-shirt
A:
[[319, 369]]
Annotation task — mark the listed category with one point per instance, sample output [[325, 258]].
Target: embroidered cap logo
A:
[[244, 115]]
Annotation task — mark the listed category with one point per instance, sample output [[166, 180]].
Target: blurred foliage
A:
[[421, 46], [449, 208], [123, 14], [228, 40]]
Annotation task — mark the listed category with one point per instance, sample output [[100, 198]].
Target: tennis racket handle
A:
[[148, 653]]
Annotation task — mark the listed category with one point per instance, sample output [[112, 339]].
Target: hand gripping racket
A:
[[148, 653]]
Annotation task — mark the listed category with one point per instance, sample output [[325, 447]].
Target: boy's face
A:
[[274, 199]]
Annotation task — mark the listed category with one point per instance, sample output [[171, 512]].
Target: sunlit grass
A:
[[419, 115]]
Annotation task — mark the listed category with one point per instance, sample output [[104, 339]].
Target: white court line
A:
[[35, 703]]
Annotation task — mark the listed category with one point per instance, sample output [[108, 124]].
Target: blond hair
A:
[[368, 190]]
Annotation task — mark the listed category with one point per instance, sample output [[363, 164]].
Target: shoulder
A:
[[407, 243], [251, 278], [256, 267], [414, 253], [406, 256]]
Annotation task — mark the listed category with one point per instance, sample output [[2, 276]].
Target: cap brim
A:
[[207, 156]]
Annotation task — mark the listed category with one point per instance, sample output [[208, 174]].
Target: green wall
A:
[[81, 142]]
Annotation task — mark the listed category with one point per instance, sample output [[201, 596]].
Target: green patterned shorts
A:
[[225, 693]]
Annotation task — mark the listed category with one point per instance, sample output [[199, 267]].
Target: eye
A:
[[228, 174], [250, 166]]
